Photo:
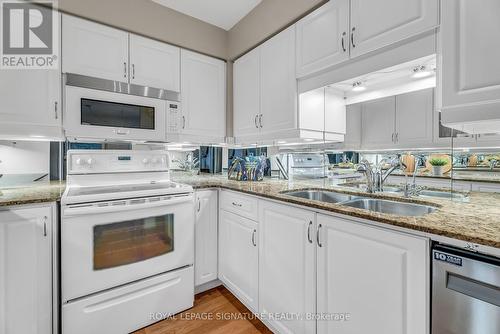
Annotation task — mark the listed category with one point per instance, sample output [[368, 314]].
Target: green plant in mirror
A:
[[438, 162]]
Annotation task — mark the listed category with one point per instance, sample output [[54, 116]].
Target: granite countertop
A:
[[37, 192], [477, 220]]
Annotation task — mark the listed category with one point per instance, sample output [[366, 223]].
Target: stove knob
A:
[[145, 161], [90, 161], [80, 162]]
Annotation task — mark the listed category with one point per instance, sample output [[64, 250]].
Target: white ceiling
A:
[[221, 13]]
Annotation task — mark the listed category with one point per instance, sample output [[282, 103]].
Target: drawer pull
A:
[[237, 204]]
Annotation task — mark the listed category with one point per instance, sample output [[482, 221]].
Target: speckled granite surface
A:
[[477, 220], [39, 192]]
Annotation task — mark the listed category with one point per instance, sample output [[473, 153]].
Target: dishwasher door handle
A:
[[475, 289]]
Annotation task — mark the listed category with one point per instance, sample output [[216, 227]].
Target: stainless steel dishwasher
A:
[[465, 292]]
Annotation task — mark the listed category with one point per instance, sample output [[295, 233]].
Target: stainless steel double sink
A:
[[363, 202]]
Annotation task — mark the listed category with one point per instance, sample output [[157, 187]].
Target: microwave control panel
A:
[[174, 117]]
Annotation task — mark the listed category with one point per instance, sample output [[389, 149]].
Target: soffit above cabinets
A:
[[221, 13]]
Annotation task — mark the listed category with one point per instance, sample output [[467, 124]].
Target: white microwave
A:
[[104, 115]]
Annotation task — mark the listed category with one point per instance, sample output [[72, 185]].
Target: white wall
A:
[[24, 157]]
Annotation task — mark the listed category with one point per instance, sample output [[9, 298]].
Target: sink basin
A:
[[321, 195], [390, 207], [442, 194]]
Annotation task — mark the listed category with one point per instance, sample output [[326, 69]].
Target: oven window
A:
[[132, 241], [102, 113]]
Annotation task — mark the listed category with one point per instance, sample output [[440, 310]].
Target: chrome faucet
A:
[[375, 178], [493, 163], [413, 189]]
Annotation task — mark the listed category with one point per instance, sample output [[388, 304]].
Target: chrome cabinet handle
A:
[[199, 205], [255, 120], [397, 137], [260, 120], [133, 71], [352, 37], [237, 204], [125, 69], [343, 43], [183, 122], [393, 138], [317, 236], [309, 232], [55, 110], [45, 226], [253, 238]]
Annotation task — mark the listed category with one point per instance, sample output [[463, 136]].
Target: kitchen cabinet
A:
[[246, 93], [26, 270], [286, 265], [377, 123], [154, 64], [238, 257], [30, 104], [379, 23], [414, 117], [278, 89], [128, 58], [205, 263], [353, 127], [94, 50], [380, 278], [203, 98], [469, 66], [323, 38]]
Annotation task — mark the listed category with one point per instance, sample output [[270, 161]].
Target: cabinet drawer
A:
[[242, 205]]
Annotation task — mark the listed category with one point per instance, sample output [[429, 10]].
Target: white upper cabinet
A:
[[154, 64], [246, 92], [287, 265], [414, 115], [377, 123], [239, 257], [26, 270], [379, 277], [205, 263], [30, 104], [353, 127], [379, 23], [470, 50], [323, 38], [203, 87], [94, 50], [278, 89]]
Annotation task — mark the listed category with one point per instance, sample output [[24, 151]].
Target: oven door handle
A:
[[126, 206]]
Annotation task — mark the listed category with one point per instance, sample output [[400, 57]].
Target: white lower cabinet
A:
[[378, 277], [205, 263], [287, 267], [238, 257], [26, 270]]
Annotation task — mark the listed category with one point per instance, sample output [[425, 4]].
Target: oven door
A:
[[99, 114], [107, 244]]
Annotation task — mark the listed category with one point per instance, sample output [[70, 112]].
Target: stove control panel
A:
[[108, 161]]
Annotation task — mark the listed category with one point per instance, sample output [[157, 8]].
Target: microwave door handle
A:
[[92, 209]]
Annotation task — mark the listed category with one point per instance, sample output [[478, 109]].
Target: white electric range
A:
[[127, 241]]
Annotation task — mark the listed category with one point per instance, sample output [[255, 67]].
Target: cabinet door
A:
[[470, 52], [323, 38], [26, 271], [287, 265], [380, 278], [154, 64], [278, 89], [94, 49], [30, 103], [352, 139], [378, 123], [238, 257], [379, 23], [203, 95], [246, 90], [414, 112], [205, 262]]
